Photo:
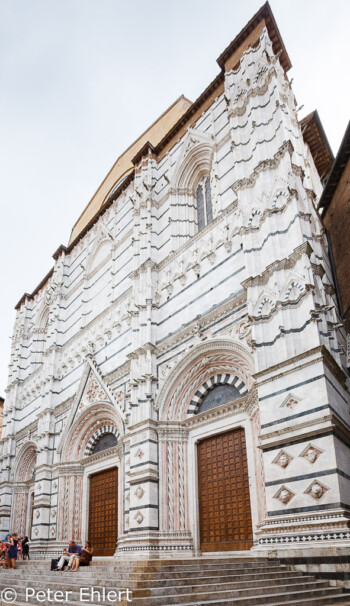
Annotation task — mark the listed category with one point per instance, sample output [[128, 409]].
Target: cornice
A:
[[290, 362], [196, 325], [104, 454], [193, 239], [265, 15], [264, 165], [69, 469], [286, 263], [30, 429], [292, 433], [334, 367], [118, 372]]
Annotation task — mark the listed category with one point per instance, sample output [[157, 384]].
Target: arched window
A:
[[204, 206], [106, 441], [220, 394]]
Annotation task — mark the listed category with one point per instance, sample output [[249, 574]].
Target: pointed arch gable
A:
[[100, 253], [25, 462], [104, 395], [195, 160], [43, 318], [199, 365]]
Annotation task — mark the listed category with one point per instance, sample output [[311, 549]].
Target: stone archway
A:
[[197, 368], [79, 466], [23, 489], [209, 366]]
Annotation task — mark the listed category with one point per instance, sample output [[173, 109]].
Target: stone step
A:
[[140, 581], [155, 564], [159, 573], [284, 592], [167, 567], [139, 588], [211, 588], [329, 600], [215, 582], [304, 597]]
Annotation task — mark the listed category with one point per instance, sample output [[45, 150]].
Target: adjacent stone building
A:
[[178, 381], [335, 208]]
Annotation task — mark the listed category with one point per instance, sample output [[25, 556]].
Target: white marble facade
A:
[[145, 309]]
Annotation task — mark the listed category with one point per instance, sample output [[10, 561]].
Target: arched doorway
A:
[[207, 405], [223, 492], [24, 480], [92, 444]]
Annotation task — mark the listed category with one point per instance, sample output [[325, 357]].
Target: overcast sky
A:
[[81, 79]]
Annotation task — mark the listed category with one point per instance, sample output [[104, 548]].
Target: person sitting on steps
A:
[[69, 554], [85, 558]]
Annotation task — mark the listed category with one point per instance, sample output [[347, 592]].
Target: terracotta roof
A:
[[264, 13], [342, 159], [315, 137]]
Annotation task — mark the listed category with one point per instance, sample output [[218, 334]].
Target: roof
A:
[[124, 165], [316, 139], [342, 159], [263, 14], [160, 133]]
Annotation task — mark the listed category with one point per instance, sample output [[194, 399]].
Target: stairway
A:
[[231, 581]]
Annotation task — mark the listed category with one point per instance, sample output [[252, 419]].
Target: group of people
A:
[[75, 556], [11, 548]]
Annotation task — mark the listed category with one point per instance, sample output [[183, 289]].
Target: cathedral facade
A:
[[178, 382]]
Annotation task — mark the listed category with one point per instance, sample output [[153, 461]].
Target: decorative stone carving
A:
[[37, 514], [284, 495], [92, 393], [283, 459], [291, 401], [139, 517], [316, 490], [311, 453], [53, 531], [140, 454], [139, 492]]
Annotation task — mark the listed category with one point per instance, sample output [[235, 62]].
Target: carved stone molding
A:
[[209, 347]]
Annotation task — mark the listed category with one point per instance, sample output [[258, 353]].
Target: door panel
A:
[[103, 512], [223, 487]]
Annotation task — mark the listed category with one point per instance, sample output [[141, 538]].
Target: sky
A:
[[82, 79]]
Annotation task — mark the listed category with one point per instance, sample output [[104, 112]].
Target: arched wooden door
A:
[[103, 512], [223, 487]]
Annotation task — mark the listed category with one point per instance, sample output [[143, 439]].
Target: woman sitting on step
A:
[[85, 558]]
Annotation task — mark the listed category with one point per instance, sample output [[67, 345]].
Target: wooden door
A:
[[103, 512], [224, 501]]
